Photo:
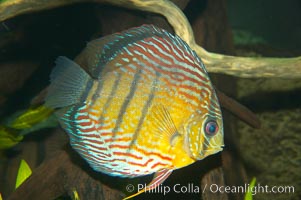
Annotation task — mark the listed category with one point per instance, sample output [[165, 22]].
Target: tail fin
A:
[[68, 84]]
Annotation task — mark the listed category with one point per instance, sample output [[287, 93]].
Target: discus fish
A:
[[145, 105]]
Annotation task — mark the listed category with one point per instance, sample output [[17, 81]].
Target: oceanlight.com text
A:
[[214, 188], [191, 188]]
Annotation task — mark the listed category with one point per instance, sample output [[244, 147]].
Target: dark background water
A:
[[277, 22]]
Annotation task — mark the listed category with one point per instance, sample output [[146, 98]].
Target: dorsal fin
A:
[[100, 51]]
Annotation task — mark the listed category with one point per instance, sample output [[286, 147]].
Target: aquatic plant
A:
[[8, 137], [24, 172], [249, 195], [242, 37], [24, 122]]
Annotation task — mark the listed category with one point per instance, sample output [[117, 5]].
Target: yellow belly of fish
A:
[[147, 137]]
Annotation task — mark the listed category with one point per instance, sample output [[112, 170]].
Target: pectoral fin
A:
[[158, 179], [163, 124]]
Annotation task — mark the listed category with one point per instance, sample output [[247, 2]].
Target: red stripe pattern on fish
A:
[[146, 104]]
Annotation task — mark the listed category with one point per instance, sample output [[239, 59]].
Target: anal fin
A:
[[158, 179]]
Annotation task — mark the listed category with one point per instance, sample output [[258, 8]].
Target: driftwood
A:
[[239, 110], [16, 73], [213, 178], [217, 63], [63, 174]]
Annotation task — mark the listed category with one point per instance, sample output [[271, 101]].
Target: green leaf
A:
[[23, 173], [0, 197], [8, 137], [249, 195], [75, 195]]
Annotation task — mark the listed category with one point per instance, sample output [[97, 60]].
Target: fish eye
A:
[[211, 128]]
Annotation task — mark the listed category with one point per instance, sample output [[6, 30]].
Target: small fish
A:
[[8, 137], [145, 105], [31, 117]]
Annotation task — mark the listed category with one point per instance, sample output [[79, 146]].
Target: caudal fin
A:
[[68, 84]]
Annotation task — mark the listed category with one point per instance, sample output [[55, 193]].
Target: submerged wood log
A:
[[218, 63], [14, 74], [234, 173], [239, 110], [212, 178], [61, 175]]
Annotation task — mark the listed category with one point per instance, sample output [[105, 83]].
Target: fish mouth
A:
[[214, 150], [207, 152], [219, 149]]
